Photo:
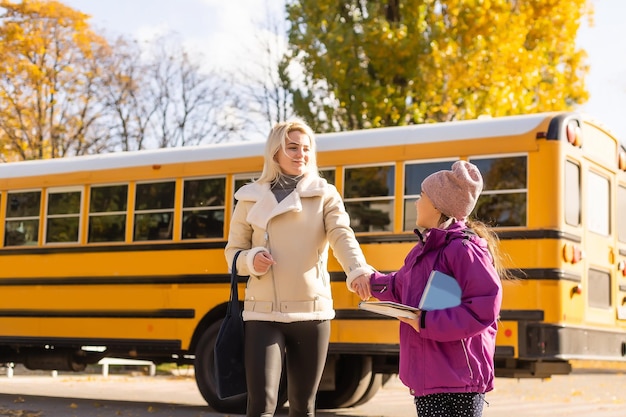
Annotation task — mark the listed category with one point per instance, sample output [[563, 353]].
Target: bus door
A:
[[599, 247], [620, 216]]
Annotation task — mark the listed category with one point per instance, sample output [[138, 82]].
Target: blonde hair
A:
[[493, 243], [276, 142]]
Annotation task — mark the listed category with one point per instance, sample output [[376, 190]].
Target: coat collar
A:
[[265, 205], [440, 237]]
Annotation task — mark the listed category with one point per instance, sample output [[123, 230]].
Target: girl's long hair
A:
[[493, 243]]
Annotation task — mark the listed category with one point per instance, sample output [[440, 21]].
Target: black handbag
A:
[[230, 373]]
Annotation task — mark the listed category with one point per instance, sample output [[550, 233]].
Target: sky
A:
[[224, 31]]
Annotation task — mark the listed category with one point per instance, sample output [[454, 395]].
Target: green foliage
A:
[[396, 62]]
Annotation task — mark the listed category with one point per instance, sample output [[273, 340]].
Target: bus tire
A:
[[205, 377], [353, 376], [375, 384]]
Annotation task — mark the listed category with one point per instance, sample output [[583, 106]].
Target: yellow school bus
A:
[[121, 255]]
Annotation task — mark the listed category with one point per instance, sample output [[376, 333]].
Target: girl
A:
[[446, 356]]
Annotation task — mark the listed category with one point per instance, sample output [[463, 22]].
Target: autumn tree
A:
[[65, 91], [194, 103], [127, 113], [48, 82], [397, 62], [264, 82], [159, 94]]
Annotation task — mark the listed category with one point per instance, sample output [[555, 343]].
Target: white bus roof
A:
[[368, 138]]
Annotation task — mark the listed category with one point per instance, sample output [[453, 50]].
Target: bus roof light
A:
[[621, 160], [573, 134]]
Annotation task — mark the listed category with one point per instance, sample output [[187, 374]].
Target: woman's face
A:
[[295, 159], [427, 215]]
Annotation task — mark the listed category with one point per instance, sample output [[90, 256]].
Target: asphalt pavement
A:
[[136, 394]]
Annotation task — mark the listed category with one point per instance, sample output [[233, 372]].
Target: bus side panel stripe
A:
[[153, 344], [94, 314], [522, 274]]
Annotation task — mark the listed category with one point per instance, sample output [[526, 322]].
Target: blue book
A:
[[442, 291]]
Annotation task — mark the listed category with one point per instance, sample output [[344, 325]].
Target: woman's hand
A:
[[361, 285], [263, 261], [414, 323]]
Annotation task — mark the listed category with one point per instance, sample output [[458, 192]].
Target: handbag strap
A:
[[233, 305]]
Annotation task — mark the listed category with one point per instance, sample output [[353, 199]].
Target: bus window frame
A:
[[391, 199], [508, 191], [620, 226], [591, 206], [46, 216], [126, 213], [184, 209], [408, 200], [135, 211], [37, 218], [567, 198]]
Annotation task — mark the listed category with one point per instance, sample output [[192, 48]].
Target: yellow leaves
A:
[[46, 53], [19, 413]]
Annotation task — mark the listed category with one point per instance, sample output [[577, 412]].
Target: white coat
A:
[[297, 232]]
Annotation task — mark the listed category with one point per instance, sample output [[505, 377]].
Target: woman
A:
[[446, 356], [284, 223]]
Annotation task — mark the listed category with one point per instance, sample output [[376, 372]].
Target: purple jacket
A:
[[453, 352]]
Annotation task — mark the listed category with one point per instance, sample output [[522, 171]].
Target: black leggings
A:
[[305, 345], [464, 404]]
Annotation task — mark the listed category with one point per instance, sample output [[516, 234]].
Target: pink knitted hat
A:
[[454, 193]]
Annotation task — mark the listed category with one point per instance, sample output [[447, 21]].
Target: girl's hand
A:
[[414, 323], [361, 285]]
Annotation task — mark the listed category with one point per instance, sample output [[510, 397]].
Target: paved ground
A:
[[597, 394]]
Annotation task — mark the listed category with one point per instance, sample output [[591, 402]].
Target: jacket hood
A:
[[436, 238]]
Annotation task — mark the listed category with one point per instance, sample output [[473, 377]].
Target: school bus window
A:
[[22, 214], [572, 194], [368, 196], [414, 174], [63, 216], [107, 213], [504, 198], [154, 211], [598, 201], [203, 208], [328, 175], [242, 180], [621, 214]]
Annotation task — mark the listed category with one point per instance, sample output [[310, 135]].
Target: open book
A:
[[389, 308], [442, 291]]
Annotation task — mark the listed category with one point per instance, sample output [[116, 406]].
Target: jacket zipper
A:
[[320, 270], [271, 271], [467, 361]]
